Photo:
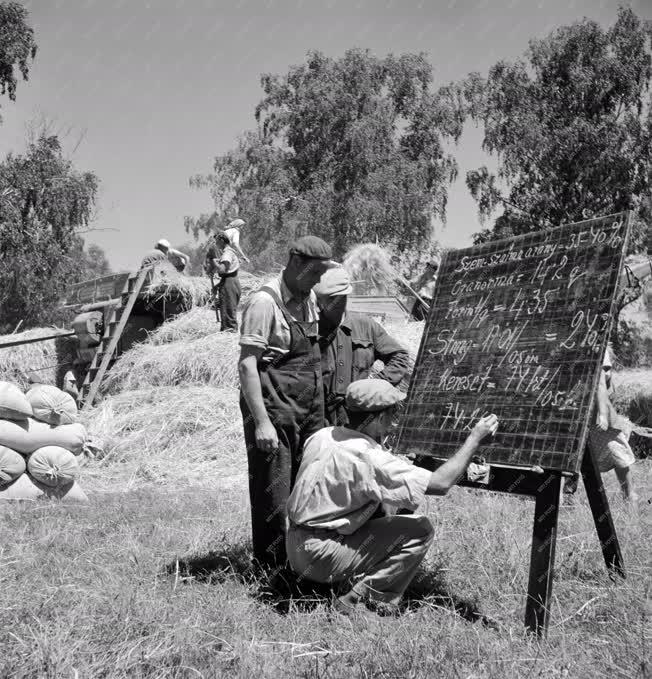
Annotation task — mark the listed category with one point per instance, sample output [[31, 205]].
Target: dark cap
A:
[[311, 247], [222, 237]]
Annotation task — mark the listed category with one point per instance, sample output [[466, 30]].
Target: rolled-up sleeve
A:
[[394, 356], [396, 482], [257, 321]]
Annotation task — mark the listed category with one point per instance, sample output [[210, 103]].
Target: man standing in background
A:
[[232, 232], [425, 288], [281, 391], [350, 343], [222, 260]]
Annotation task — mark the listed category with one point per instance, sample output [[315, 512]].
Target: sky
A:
[[147, 93]]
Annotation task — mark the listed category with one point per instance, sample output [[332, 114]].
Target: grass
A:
[[152, 579], [94, 591]]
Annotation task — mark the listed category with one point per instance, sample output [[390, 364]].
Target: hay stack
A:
[[166, 283], [48, 361], [194, 324], [179, 435], [208, 360], [633, 398], [370, 270]]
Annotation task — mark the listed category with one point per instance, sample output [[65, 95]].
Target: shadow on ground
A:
[[284, 590]]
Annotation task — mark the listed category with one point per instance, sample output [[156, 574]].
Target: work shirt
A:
[[343, 478], [263, 324], [229, 257], [177, 259], [233, 234]]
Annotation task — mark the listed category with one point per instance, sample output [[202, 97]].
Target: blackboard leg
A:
[[542, 560], [602, 514]]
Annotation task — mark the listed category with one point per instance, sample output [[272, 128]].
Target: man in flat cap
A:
[[336, 532], [350, 343], [281, 389]]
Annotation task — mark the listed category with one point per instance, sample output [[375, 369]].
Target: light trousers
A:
[[381, 557]]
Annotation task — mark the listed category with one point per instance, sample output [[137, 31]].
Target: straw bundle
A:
[[48, 360], [183, 435], [166, 283], [194, 324], [370, 270], [212, 360]]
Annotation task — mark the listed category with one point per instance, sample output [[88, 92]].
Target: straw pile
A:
[[48, 360], [370, 270], [206, 360], [166, 283], [180, 435], [194, 324]]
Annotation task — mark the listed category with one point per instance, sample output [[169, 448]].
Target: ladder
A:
[[105, 354]]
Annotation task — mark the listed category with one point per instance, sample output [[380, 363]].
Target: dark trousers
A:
[[419, 312], [271, 478], [229, 291]]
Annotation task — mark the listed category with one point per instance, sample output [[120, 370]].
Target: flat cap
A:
[[236, 223], [334, 283], [367, 396], [311, 247]]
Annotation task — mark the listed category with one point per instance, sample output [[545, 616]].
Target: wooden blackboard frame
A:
[[544, 485]]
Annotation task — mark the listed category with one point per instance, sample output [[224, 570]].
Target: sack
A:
[[13, 403], [53, 466], [30, 435], [52, 405], [25, 488], [12, 465]]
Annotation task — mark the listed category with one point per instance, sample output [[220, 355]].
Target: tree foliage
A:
[[570, 127], [44, 201], [351, 149], [92, 262], [17, 46]]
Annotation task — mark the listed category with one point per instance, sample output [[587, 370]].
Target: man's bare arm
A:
[[444, 478], [266, 436]]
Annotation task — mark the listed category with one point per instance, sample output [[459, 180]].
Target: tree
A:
[[44, 201], [350, 149], [570, 127], [17, 46], [92, 262]]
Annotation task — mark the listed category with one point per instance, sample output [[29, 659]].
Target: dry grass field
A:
[[152, 579]]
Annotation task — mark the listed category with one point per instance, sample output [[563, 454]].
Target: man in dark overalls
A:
[[281, 392]]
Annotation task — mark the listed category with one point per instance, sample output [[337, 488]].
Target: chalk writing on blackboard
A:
[[517, 327]]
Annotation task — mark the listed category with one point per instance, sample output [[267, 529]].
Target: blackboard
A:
[[517, 327]]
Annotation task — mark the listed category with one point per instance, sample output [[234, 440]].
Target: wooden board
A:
[[96, 290], [389, 308], [517, 327]]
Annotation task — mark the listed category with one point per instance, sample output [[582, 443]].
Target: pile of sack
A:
[[40, 443]]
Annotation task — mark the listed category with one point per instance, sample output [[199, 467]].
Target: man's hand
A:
[[266, 437], [484, 427], [603, 422]]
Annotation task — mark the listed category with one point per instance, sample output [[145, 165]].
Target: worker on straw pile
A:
[[609, 436], [233, 234], [178, 259], [222, 260], [425, 288], [281, 389], [350, 343], [339, 529]]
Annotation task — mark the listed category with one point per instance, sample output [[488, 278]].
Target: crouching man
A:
[[345, 478]]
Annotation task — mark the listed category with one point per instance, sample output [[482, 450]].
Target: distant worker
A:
[[608, 443], [178, 259], [345, 478], [350, 343], [424, 286], [221, 260], [233, 234], [281, 392]]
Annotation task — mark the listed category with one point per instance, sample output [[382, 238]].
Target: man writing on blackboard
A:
[[337, 529]]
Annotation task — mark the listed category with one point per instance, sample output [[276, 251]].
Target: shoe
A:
[[358, 609]]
